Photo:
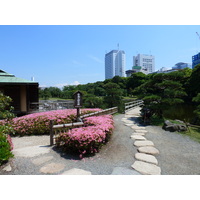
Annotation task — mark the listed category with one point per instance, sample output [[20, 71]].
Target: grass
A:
[[193, 133]]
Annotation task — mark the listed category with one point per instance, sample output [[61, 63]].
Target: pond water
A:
[[182, 112]]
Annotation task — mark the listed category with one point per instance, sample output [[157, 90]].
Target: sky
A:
[[58, 55]]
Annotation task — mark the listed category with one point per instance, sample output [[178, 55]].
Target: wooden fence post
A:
[[51, 132]]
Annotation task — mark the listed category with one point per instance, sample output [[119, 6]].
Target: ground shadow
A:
[[70, 155]]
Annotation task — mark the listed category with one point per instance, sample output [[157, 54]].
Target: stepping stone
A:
[[136, 133], [146, 168], [52, 168], [76, 171], [8, 168], [138, 137], [31, 151], [128, 124], [138, 127], [140, 131], [41, 160], [143, 143], [146, 158], [124, 171], [148, 150]]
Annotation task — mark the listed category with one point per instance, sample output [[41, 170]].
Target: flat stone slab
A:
[[52, 168], [8, 168], [140, 131], [138, 127], [143, 143], [128, 124], [146, 158], [76, 171], [146, 168], [42, 160], [31, 151], [124, 171], [149, 150], [138, 137], [136, 133]]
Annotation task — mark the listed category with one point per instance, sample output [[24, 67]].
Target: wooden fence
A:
[[55, 129], [133, 104]]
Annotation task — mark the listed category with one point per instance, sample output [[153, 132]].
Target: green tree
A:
[[197, 110], [5, 108], [194, 83], [134, 81], [161, 91], [113, 94]]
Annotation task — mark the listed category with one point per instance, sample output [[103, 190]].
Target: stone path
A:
[[33, 155], [146, 163]]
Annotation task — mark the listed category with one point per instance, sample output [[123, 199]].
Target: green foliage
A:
[[161, 91], [5, 108], [5, 144], [113, 94], [194, 82]]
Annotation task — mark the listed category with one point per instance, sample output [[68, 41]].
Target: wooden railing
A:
[[108, 111], [55, 129], [133, 104]]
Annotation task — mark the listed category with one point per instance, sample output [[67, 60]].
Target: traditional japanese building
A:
[[23, 92]]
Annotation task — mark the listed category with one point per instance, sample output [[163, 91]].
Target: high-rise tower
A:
[[147, 62], [115, 64]]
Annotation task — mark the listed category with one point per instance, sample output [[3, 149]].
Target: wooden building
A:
[[23, 92]]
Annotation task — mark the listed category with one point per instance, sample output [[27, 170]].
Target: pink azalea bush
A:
[[88, 139], [38, 123]]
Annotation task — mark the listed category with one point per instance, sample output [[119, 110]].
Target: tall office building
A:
[[115, 62], [195, 60], [147, 62]]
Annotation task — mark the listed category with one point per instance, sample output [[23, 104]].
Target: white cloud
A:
[[61, 85], [95, 58], [75, 83]]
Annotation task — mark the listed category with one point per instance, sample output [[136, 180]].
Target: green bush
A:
[[6, 145]]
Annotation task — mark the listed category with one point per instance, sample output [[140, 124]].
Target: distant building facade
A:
[[182, 65], [115, 62], [22, 92], [135, 69], [147, 62], [195, 60]]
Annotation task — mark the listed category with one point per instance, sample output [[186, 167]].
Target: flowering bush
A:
[[87, 139], [6, 145], [38, 123]]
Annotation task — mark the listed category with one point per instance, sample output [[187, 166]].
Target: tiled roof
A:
[[10, 78]]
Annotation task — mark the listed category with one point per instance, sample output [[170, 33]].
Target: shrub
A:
[[88, 139], [6, 145], [38, 123]]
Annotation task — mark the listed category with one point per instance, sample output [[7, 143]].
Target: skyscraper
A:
[[115, 64], [147, 62]]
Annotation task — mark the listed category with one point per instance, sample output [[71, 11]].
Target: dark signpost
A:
[[78, 103]]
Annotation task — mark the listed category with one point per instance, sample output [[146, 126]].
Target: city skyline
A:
[[63, 55]]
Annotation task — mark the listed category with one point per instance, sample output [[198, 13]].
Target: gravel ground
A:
[[118, 152], [179, 155]]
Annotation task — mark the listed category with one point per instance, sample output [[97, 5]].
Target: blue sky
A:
[[70, 54]]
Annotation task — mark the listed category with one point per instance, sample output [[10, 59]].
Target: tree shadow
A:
[[70, 155]]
